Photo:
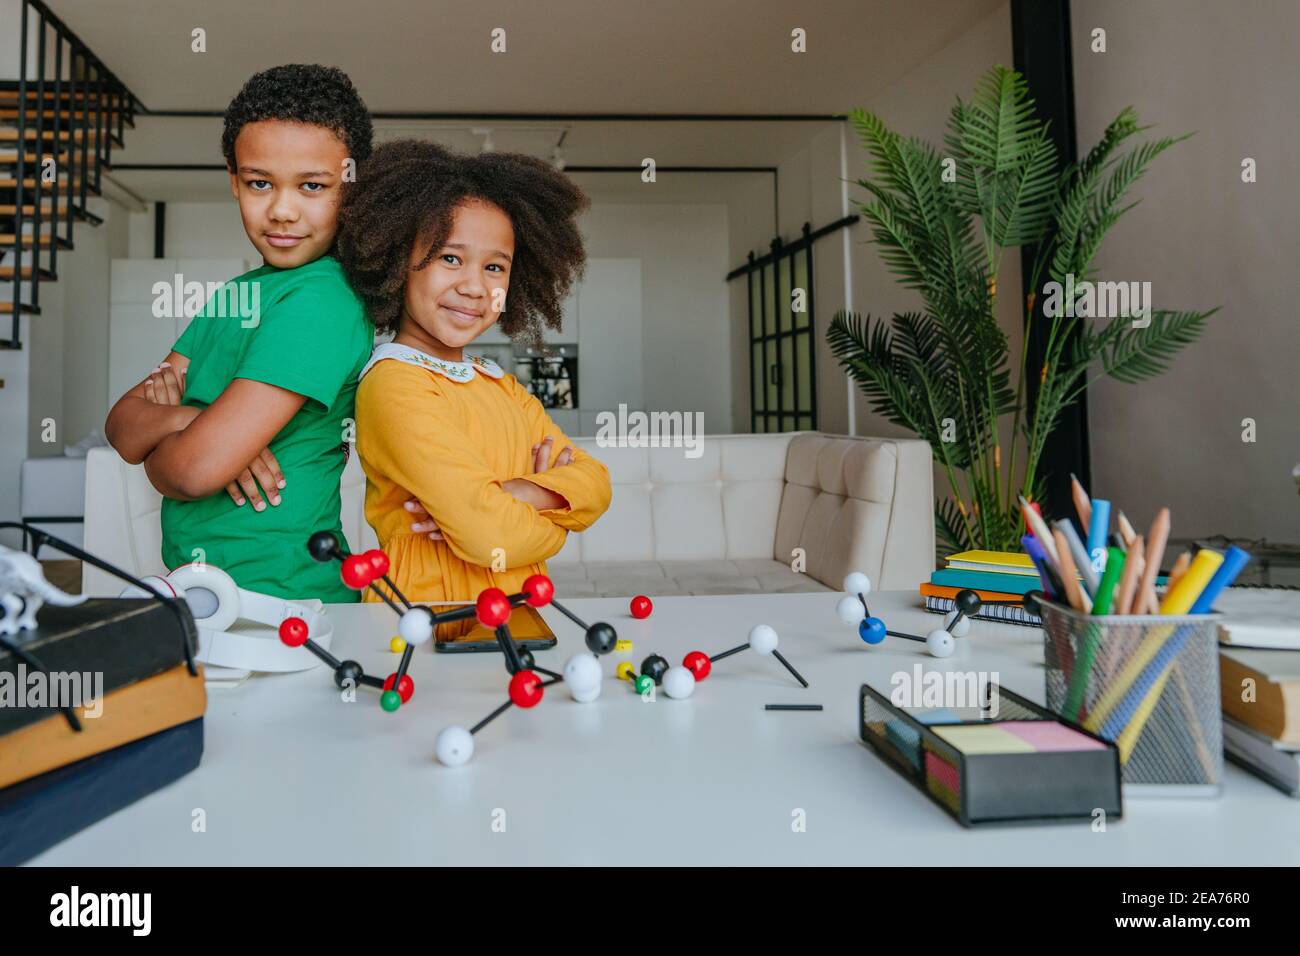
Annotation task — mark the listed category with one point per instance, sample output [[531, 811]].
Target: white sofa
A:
[[733, 520]]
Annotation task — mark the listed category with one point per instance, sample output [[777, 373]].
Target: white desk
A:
[[293, 775]]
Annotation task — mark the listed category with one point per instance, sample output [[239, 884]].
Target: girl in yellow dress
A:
[[469, 484]]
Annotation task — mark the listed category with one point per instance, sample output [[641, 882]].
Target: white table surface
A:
[[292, 774]]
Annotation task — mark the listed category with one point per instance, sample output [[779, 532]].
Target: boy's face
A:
[[287, 181], [462, 291]]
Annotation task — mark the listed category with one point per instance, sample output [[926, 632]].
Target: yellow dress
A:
[[449, 434]]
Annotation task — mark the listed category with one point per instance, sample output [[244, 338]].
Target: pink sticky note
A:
[[1048, 735]]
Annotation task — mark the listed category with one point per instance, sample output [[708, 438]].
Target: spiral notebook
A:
[[1002, 613]]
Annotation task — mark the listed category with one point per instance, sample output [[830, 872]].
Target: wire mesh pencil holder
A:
[[1148, 683]]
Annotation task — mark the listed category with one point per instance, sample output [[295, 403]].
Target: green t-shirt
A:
[[310, 335]]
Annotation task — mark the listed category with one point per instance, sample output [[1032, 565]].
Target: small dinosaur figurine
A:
[[23, 589]]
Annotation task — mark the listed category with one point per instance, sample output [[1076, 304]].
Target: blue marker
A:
[[1097, 531], [1038, 554], [1233, 561]]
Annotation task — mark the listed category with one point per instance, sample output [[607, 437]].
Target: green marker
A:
[[1101, 603], [1105, 596]]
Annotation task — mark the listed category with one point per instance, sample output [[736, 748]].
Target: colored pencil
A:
[[1156, 538], [1039, 527], [1070, 577], [1128, 583], [1176, 573], [1126, 532], [1082, 504]]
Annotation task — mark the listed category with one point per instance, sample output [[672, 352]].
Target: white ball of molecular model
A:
[[454, 746], [961, 628], [850, 609], [582, 677], [763, 639], [939, 643], [679, 683], [855, 583], [415, 626]]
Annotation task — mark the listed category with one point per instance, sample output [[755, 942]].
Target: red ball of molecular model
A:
[[641, 607]]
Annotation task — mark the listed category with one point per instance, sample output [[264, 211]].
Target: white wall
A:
[[61, 372], [1204, 238], [687, 362], [811, 190], [84, 279], [918, 105], [193, 230]]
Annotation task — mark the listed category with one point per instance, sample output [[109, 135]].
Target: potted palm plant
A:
[[943, 219]]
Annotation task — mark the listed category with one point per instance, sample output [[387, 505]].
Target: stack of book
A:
[[995, 575], [119, 667], [1260, 689]]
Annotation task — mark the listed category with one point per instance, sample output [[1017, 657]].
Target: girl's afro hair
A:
[[408, 192]]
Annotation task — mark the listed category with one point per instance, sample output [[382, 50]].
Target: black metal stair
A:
[[67, 106]]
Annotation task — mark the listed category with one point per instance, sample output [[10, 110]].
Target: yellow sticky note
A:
[[977, 739]]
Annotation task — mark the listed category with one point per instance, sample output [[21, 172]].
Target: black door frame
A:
[[1040, 39]]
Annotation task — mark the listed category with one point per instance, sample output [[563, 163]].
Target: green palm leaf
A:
[[1135, 354]]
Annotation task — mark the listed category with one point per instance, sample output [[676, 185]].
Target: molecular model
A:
[[679, 682], [416, 623], [582, 676], [852, 609]]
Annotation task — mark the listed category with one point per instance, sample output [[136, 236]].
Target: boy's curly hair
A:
[[301, 93], [408, 193]]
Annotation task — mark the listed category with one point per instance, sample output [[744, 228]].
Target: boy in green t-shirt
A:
[[242, 427]]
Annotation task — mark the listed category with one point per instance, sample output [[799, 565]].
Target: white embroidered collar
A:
[[456, 371]]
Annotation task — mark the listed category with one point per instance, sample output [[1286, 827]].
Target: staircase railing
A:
[[88, 106]]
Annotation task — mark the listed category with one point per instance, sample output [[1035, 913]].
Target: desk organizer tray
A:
[[1026, 765]]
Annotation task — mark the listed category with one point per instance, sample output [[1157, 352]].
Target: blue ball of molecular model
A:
[[871, 630]]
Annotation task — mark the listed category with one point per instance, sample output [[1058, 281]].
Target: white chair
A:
[[124, 528]]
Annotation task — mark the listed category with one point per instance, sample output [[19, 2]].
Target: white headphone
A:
[[218, 605]]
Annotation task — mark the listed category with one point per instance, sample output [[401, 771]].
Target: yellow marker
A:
[[625, 671], [623, 644], [397, 645], [1188, 588], [1128, 737], [1132, 670]]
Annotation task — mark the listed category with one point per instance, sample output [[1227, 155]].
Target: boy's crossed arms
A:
[[191, 453]]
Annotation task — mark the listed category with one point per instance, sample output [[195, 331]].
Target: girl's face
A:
[[462, 291]]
